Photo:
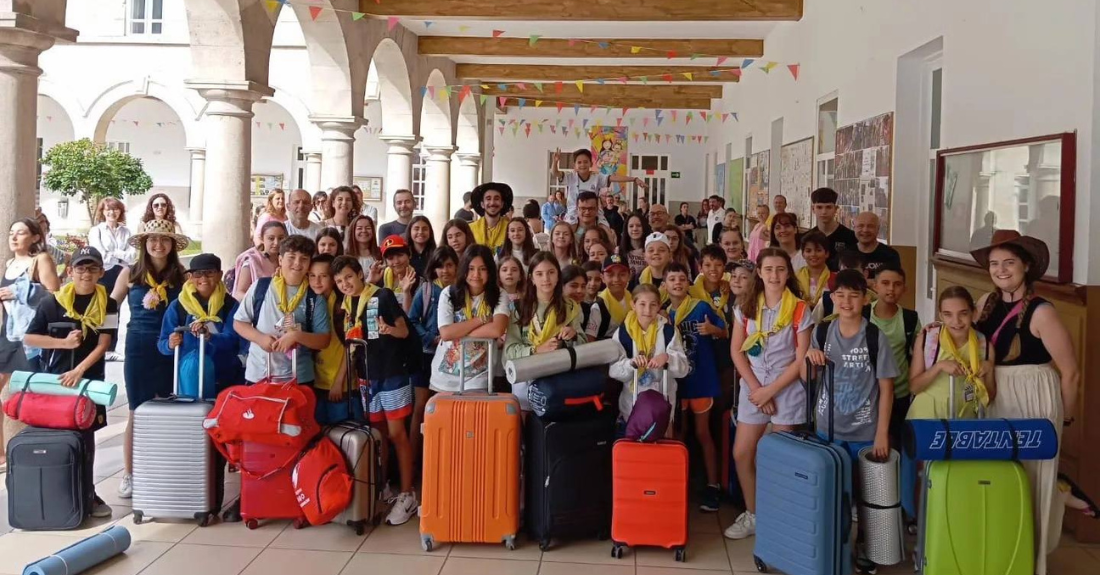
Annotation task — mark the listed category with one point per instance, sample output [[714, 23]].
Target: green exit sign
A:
[[676, 175]]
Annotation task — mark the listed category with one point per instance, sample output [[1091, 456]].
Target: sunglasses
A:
[[160, 205]]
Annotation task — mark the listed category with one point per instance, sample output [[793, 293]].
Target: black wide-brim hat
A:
[[479, 194]]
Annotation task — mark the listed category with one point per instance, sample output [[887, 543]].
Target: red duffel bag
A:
[[322, 483], [74, 413]]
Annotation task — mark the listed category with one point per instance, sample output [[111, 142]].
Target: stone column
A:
[[228, 126], [399, 163], [198, 188], [337, 149], [469, 176], [438, 185], [19, 72], [313, 172]]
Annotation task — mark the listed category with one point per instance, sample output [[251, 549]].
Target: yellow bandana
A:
[[617, 310], [391, 281], [284, 306], [351, 317], [93, 316], [493, 238], [539, 333], [755, 342], [970, 366], [191, 304], [685, 308], [482, 310], [698, 290], [813, 297], [646, 277], [645, 340], [161, 289]]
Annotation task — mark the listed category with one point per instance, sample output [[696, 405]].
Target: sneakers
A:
[[100, 510], [711, 498], [744, 527], [114, 356], [865, 566], [126, 486], [388, 494], [404, 508]]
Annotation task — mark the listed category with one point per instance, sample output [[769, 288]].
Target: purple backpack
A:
[[650, 417]]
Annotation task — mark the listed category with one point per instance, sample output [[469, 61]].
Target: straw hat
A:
[[1034, 247], [159, 228]]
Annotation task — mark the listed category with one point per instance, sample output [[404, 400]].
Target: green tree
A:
[[91, 172]]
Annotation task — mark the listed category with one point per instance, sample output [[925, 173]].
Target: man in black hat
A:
[[491, 201]]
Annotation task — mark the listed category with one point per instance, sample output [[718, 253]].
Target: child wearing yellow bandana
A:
[[612, 303], [658, 254]]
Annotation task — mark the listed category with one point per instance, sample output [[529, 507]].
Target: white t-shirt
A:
[[574, 185], [445, 367], [311, 231], [714, 218]]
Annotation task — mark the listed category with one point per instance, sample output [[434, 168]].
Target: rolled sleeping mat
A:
[[981, 439], [84, 554], [101, 392], [880, 514], [573, 394], [562, 361]]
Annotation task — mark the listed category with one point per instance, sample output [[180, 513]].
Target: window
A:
[[826, 142], [146, 16], [301, 168], [565, 164], [123, 147], [419, 179]]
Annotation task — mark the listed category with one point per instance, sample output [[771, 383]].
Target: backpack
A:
[[322, 484], [872, 334], [628, 344], [909, 320], [260, 294], [605, 319]]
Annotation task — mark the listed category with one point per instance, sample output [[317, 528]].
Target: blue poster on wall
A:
[[720, 180]]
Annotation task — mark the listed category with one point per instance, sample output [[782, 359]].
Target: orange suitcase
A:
[[649, 494], [470, 491]]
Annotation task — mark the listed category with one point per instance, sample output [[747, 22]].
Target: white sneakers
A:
[[404, 508], [126, 486], [744, 527]]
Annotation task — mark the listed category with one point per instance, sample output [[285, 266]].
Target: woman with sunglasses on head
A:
[[160, 207], [321, 209]]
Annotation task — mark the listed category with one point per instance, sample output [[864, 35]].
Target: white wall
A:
[[520, 161], [370, 152], [1012, 69], [156, 138]]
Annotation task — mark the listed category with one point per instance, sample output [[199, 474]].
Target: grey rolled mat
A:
[[562, 360], [880, 508]]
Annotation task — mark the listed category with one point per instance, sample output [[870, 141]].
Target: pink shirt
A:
[[263, 219]]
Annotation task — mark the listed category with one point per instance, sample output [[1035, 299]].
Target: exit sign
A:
[[676, 175]]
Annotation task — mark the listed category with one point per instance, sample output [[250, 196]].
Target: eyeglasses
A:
[[204, 274], [86, 270]]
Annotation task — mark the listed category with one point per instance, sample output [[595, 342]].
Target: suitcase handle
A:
[[293, 366], [817, 374], [664, 392], [183, 329], [491, 345]]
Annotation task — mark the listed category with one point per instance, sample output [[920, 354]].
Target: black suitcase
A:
[[569, 478], [49, 479]]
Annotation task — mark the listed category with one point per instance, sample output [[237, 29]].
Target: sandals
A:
[[1091, 510]]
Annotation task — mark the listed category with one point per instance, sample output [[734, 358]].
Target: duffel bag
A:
[[568, 395], [322, 483], [269, 413], [69, 412]]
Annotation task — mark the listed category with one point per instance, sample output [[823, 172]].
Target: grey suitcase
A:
[[175, 473], [361, 446]]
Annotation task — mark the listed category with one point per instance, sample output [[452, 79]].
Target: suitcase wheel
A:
[[681, 554], [251, 523], [616, 551], [510, 542], [760, 565], [137, 517], [300, 524], [360, 528], [427, 542]]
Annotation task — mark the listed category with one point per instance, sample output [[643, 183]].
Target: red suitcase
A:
[[649, 494], [270, 497]]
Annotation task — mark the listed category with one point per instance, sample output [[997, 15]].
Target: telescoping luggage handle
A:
[[664, 391], [293, 367], [350, 376], [68, 326], [490, 344], [816, 374], [176, 362]]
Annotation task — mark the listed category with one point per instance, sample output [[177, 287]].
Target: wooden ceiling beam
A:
[[599, 10], [587, 48], [632, 102], [534, 73], [596, 91]]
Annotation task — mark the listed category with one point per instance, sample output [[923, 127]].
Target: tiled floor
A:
[[279, 549]]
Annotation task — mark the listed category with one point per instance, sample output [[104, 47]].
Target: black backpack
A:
[[909, 321], [822, 333]]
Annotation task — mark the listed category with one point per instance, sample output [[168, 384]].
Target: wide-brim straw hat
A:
[[1034, 247], [159, 228]]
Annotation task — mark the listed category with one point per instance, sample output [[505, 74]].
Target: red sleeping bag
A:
[[322, 483], [74, 413]]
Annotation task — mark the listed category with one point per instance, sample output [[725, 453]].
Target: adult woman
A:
[[274, 211], [59, 257], [632, 244], [360, 241], [563, 245], [420, 238], [458, 235], [1027, 336], [111, 238], [681, 254], [757, 237], [344, 206], [160, 207], [28, 275], [321, 210], [330, 242], [149, 286], [784, 234], [260, 261]]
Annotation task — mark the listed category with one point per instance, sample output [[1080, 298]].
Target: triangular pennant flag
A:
[[674, 116], [571, 122], [485, 86], [715, 72], [538, 86], [515, 129], [423, 91], [540, 128], [689, 117], [466, 91], [635, 135], [431, 92], [356, 16], [635, 49], [50, 119], [560, 106], [521, 86], [391, 23], [498, 33], [694, 56], [592, 109], [463, 29], [668, 137], [600, 81], [270, 125], [533, 39], [445, 93], [553, 129], [273, 6], [572, 42], [794, 70], [584, 124], [501, 131], [502, 87], [659, 120], [502, 100], [632, 119], [619, 123], [482, 98], [667, 78], [314, 12], [428, 23], [527, 130], [623, 79], [580, 86], [769, 66], [706, 138], [735, 117], [558, 87], [671, 54], [747, 62], [257, 123], [576, 109], [645, 122], [501, 120], [644, 79], [538, 103], [703, 114], [282, 125], [736, 72], [623, 111], [722, 60], [604, 45], [689, 75], [725, 117]]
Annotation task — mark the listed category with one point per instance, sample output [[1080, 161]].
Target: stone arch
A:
[[231, 39], [300, 112], [63, 96], [468, 129], [436, 125], [338, 79], [388, 65], [104, 107]]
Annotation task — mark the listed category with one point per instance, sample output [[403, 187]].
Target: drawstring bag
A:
[[322, 483], [650, 417]]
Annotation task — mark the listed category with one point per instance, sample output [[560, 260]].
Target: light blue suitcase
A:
[[803, 501]]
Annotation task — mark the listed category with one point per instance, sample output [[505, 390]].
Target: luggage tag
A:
[[372, 318], [970, 395]]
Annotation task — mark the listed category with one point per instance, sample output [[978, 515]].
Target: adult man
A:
[[553, 209], [658, 217], [583, 179], [588, 214], [716, 215], [611, 212], [404, 203], [686, 222], [780, 204], [491, 201], [842, 238], [298, 211], [643, 206], [369, 211], [875, 253], [465, 212]]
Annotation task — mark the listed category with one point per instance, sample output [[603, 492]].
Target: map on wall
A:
[[796, 178], [757, 179], [864, 160], [735, 182]]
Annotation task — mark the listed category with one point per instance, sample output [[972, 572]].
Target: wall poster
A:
[[609, 150], [796, 178], [735, 184], [864, 163], [720, 181], [757, 179]]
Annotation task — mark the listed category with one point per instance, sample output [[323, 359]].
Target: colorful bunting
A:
[[314, 12], [635, 49], [498, 33], [463, 29], [428, 23], [391, 23], [503, 100], [273, 6], [769, 66], [534, 39], [689, 75], [722, 60], [604, 45], [356, 16], [794, 70], [580, 86]]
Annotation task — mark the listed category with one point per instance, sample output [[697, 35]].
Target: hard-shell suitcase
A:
[[49, 482], [975, 517], [361, 445], [804, 498], [470, 491], [176, 471], [649, 493], [569, 478]]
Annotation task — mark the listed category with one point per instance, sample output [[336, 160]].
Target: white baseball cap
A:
[[658, 237]]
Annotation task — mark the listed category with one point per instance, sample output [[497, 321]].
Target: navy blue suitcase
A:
[[804, 499]]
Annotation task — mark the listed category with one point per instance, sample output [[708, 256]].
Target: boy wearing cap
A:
[[491, 201], [612, 303], [399, 277], [77, 350], [658, 254]]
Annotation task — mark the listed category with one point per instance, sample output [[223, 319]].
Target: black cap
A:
[[205, 263], [85, 255], [614, 260]]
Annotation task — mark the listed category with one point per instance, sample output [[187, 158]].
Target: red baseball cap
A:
[[393, 242]]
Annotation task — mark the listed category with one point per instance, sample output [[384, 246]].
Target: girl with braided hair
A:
[[1027, 337]]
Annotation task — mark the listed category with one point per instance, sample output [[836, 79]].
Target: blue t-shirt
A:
[[702, 380]]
